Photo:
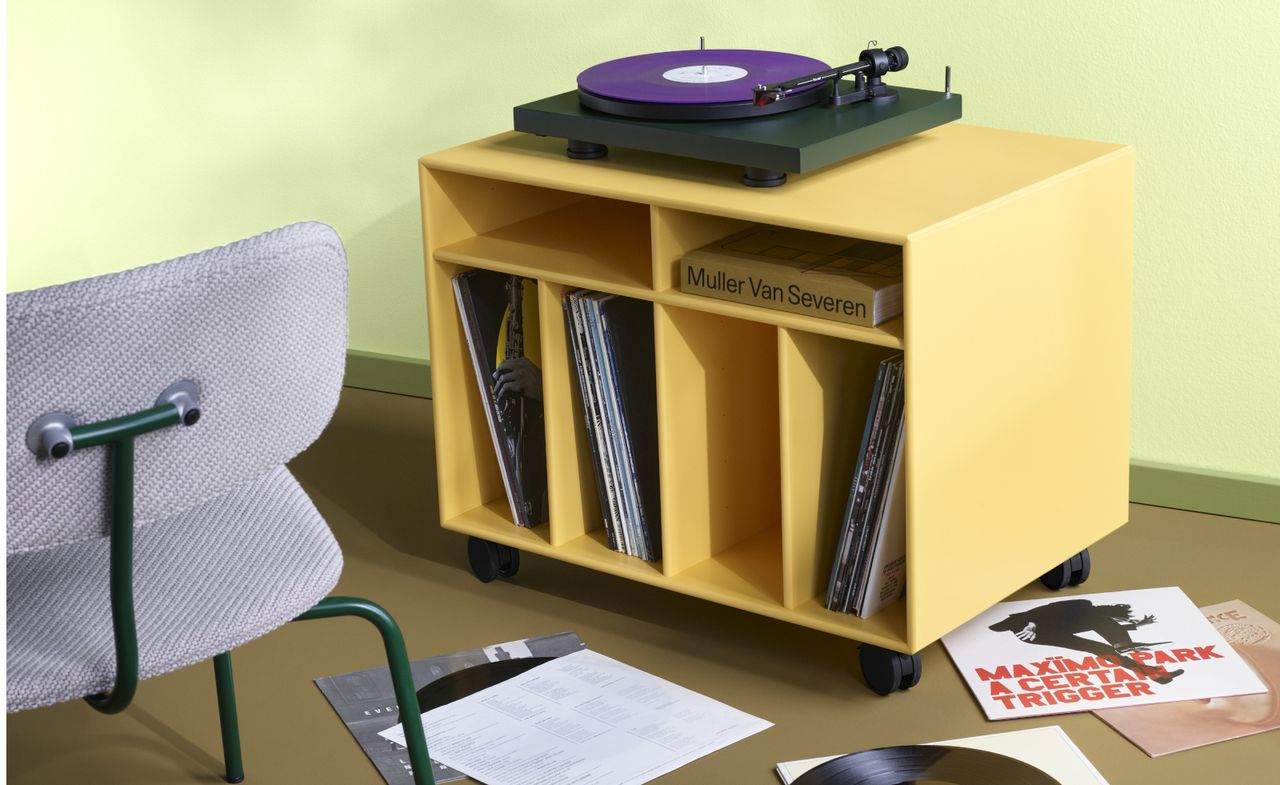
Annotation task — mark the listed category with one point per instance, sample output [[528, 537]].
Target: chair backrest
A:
[[260, 325]]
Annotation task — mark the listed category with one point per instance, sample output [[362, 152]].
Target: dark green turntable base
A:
[[768, 147]]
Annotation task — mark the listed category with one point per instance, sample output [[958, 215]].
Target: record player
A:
[[770, 112]]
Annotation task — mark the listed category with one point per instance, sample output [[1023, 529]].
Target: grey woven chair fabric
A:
[[227, 545], [259, 324], [275, 558]]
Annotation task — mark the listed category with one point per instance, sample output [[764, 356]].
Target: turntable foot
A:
[[887, 672], [585, 151], [490, 560], [756, 177], [1072, 572]]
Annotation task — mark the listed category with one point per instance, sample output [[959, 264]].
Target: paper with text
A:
[[583, 719]]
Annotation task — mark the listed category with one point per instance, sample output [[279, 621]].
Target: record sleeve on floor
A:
[[1172, 727], [1091, 651], [365, 700]]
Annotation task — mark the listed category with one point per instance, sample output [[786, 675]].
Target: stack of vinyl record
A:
[[611, 339], [869, 570]]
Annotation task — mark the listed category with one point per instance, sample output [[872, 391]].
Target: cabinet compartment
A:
[[571, 487], [676, 232], [581, 241], [470, 480], [718, 440], [577, 516], [824, 386]]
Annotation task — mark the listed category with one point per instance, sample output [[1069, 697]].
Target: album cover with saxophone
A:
[[1173, 727], [500, 317]]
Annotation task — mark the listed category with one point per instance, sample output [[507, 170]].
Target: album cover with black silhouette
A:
[[1063, 654]]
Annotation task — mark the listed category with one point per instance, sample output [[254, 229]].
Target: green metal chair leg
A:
[[227, 717], [124, 628], [401, 675]]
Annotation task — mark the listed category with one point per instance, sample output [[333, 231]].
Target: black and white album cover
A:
[[500, 318], [365, 700], [1094, 651]]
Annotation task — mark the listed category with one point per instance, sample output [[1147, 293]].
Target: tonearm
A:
[[871, 66]]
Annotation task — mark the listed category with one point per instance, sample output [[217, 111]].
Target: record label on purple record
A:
[[704, 74], [694, 76]]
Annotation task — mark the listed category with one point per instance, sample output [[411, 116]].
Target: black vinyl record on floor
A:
[[460, 684], [925, 763]]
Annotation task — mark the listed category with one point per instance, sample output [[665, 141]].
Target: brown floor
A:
[[371, 475]]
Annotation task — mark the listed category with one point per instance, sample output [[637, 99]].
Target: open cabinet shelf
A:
[[594, 243], [1016, 256]]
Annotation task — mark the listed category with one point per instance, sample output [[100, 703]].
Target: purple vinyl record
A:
[[694, 76]]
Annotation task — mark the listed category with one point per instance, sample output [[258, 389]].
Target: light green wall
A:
[[142, 130]]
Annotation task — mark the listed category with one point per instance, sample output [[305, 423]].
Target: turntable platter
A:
[[695, 84]]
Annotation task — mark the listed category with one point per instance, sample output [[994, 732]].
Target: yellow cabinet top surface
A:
[[888, 195]]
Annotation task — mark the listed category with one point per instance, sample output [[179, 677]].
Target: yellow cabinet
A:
[[1017, 254]]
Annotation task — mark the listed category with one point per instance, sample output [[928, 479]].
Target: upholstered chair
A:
[[152, 523]]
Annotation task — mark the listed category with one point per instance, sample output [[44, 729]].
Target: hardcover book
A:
[[1092, 651], [830, 277], [1173, 727]]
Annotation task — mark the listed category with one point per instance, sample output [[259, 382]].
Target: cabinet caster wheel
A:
[[887, 672], [490, 560], [508, 561], [1072, 572]]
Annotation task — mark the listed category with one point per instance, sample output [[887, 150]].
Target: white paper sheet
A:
[[581, 719]]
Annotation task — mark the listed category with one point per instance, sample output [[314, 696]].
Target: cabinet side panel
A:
[[573, 503], [467, 469], [1017, 333]]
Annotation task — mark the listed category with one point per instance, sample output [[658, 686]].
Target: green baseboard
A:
[[388, 373], [1204, 490], [1161, 485]]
